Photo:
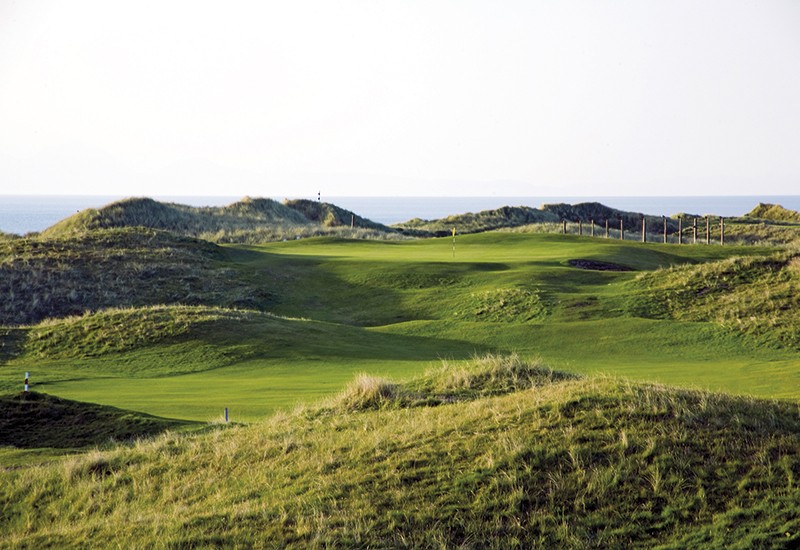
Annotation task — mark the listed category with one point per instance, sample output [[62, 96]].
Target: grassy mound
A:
[[507, 216], [632, 221], [178, 218], [503, 305], [565, 463], [330, 215], [36, 420], [116, 330], [773, 212], [483, 377], [547, 218], [44, 277], [758, 295], [247, 221]]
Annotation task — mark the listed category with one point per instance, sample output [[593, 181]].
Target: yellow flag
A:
[[454, 232]]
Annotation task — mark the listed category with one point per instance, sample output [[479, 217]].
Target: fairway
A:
[[342, 307]]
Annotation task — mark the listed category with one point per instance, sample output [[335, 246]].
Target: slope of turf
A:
[[43, 277], [192, 362], [36, 420], [511, 455], [759, 296]]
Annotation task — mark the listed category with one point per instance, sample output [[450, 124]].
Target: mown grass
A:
[[556, 461]]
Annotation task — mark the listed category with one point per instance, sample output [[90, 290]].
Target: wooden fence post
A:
[[680, 229], [606, 228], [665, 228], [644, 229], [580, 227], [721, 230], [708, 230], [591, 224], [621, 230], [564, 227], [694, 230]]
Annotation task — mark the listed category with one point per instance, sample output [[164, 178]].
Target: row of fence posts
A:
[[644, 229]]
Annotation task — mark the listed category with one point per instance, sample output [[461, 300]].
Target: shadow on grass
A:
[[37, 420]]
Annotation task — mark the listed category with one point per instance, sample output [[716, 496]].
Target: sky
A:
[[400, 98]]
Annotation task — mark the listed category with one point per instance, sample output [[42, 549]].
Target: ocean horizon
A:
[[22, 214]]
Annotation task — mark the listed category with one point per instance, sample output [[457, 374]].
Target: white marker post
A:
[[27, 378]]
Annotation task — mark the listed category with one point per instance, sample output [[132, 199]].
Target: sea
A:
[[22, 214]]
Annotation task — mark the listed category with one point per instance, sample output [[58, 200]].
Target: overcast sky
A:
[[430, 97]]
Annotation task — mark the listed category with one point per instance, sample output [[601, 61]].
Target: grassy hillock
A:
[[548, 218], [498, 454], [180, 219], [507, 216], [774, 212], [758, 295], [36, 420], [330, 215], [116, 330], [43, 277], [632, 221], [250, 220]]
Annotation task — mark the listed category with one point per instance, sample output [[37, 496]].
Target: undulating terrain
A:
[[509, 386]]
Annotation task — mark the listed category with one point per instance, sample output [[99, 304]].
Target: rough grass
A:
[[36, 420], [177, 218], [759, 296], [483, 376], [330, 215], [760, 232], [273, 232], [43, 277], [116, 330], [566, 463], [250, 220], [774, 212], [548, 218], [487, 220]]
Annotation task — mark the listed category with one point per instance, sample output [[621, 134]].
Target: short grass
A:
[[495, 453]]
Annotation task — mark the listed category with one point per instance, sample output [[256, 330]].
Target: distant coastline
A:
[[21, 214]]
